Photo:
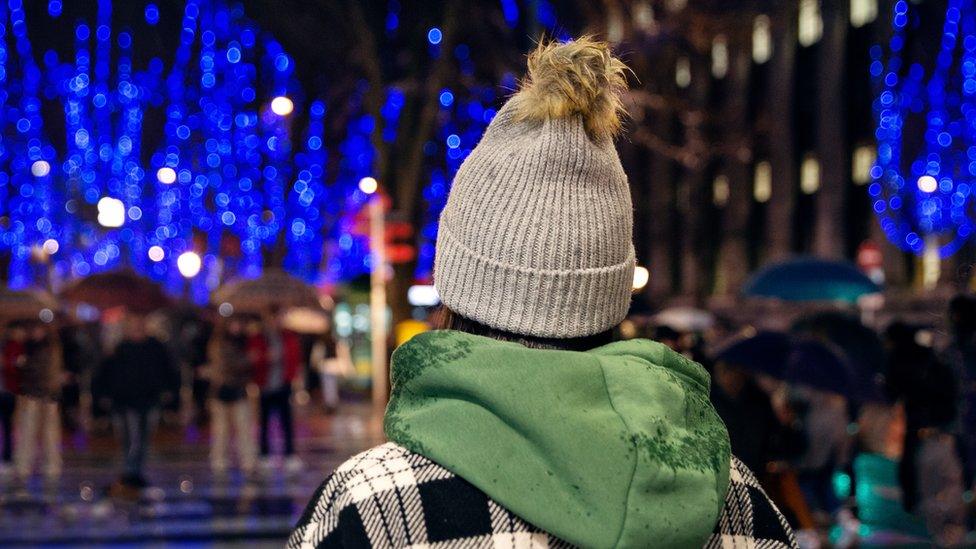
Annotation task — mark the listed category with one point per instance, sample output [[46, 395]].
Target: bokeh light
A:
[[156, 253], [368, 185], [111, 212], [189, 264], [166, 175], [282, 106]]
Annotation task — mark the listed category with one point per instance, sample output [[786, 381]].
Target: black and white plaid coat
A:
[[389, 496]]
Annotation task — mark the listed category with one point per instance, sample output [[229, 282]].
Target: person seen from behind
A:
[[930, 471], [11, 349], [960, 355], [230, 409], [331, 358], [38, 421], [136, 376], [519, 423], [277, 357]]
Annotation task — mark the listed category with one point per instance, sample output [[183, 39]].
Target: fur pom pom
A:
[[582, 78]]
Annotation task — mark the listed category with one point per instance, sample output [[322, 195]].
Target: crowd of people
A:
[[817, 452], [131, 373], [798, 439]]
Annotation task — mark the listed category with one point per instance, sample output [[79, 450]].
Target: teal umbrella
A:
[[810, 279]]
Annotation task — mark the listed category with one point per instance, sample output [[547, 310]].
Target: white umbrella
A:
[[685, 319], [275, 288], [306, 321]]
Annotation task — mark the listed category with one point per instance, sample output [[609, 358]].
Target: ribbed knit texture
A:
[[536, 236]]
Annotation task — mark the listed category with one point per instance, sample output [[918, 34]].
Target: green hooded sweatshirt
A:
[[615, 447]]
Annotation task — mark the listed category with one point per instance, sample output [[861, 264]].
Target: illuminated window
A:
[[615, 27], [720, 191], [810, 174], [762, 184], [643, 14], [811, 24], [863, 12], [676, 5], [762, 40], [720, 57], [682, 72], [862, 162]]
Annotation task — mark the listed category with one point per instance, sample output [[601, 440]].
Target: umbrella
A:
[[818, 365], [121, 288], [860, 345], [764, 352], [24, 304], [809, 279], [800, 361], [685, 319], [274, 288], [303, 320]]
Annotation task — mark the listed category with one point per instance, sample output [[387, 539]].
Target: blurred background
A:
[[217, 219]]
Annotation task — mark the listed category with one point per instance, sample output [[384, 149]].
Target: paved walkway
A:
[[186, 505]]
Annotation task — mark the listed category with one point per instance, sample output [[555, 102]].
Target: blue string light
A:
[[929, 196], [224, 180]]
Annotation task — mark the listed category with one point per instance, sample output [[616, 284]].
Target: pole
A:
[[377, 299], [931, 263]]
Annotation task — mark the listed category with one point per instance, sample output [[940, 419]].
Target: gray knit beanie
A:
[[536, 236]]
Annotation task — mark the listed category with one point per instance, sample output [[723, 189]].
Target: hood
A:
[[615, 447]]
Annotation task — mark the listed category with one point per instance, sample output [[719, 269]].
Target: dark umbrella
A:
[[860, 345], [764, 352], [122, 288], [809, 279], [800, 361], [818, 365]]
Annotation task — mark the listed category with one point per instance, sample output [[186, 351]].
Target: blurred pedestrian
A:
[[754, 429], [277, 356], [330, 358], [764, 438], [232, 372], [960, 355], [930, 471], [39, 376], [11, 349], [135, 377], [519, 423], [825, 419]]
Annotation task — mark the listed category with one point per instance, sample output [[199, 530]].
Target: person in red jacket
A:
[[276, 355], [13, 353]]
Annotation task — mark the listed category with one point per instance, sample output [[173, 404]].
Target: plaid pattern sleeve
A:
[[750, 520], [391, 497]]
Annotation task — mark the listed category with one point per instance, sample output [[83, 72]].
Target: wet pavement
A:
[[186, 504]]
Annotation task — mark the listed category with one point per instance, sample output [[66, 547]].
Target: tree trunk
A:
[[779, 223], [693, 192], [828, 234], [408, 178], [660, 208]]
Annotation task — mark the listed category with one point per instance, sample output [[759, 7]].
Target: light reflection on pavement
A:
[[186, 503]]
